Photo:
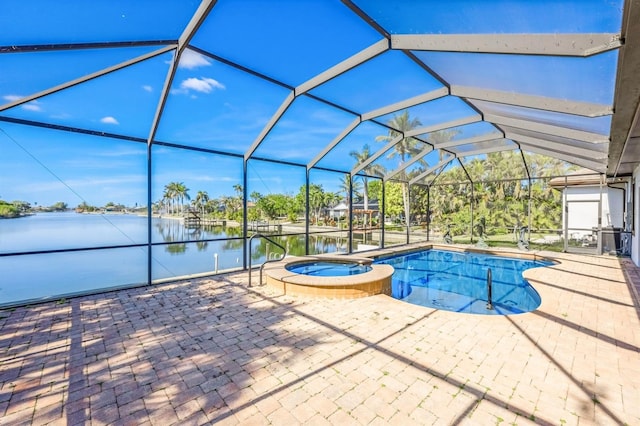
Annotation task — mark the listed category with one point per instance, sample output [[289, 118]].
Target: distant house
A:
[[341, 210]]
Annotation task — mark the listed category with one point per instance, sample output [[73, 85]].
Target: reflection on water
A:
[[27, 277], [170, 230], [67, 230]]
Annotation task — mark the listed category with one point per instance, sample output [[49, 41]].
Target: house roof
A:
[[580, 177]]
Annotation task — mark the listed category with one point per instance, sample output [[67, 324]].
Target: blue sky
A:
[[217, 107]]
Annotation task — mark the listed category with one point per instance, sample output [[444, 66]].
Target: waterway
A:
[[94, 263]]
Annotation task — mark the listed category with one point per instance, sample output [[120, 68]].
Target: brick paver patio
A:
[[213, 351]]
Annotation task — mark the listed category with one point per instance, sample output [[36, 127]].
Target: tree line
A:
[[18, 208], [498, 195]]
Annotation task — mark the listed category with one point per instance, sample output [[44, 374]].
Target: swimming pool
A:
[[457, 281], [328, 269]]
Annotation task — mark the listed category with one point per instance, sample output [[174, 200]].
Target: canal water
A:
[[178, 251]]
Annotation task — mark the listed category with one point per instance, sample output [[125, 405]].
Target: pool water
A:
[[328, 269], [455, 281]]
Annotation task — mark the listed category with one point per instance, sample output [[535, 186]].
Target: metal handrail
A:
[[489, 290], [267, 260]]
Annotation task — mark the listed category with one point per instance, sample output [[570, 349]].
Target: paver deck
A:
[[214, 351]]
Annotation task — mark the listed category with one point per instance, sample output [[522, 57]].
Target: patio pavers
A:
[[213, 350]]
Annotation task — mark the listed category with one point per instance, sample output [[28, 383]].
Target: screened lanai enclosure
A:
[[151, 140]]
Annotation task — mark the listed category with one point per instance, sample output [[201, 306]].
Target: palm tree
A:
[[332, 199], [175, 192], [233, 203], [345, 187], [182, 192], [202, 198], [403, 149], [317, 201], [169, 195], [441, 136], [376, 169]]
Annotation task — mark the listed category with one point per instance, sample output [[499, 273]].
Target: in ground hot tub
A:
[[328, 269], [338, 278]]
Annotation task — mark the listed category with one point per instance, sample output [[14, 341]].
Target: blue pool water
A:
[[457, 282], [328, 269]]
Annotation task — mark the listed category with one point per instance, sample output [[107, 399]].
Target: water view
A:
[[178, 251]]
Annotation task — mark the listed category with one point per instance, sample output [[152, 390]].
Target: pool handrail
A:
[[489, 290], [267, 260]]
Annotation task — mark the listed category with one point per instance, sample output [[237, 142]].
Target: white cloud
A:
[[29, 106], [109, 120], [12, 98], [32, 106], [191, 60], [147, 88], [203, 85]]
